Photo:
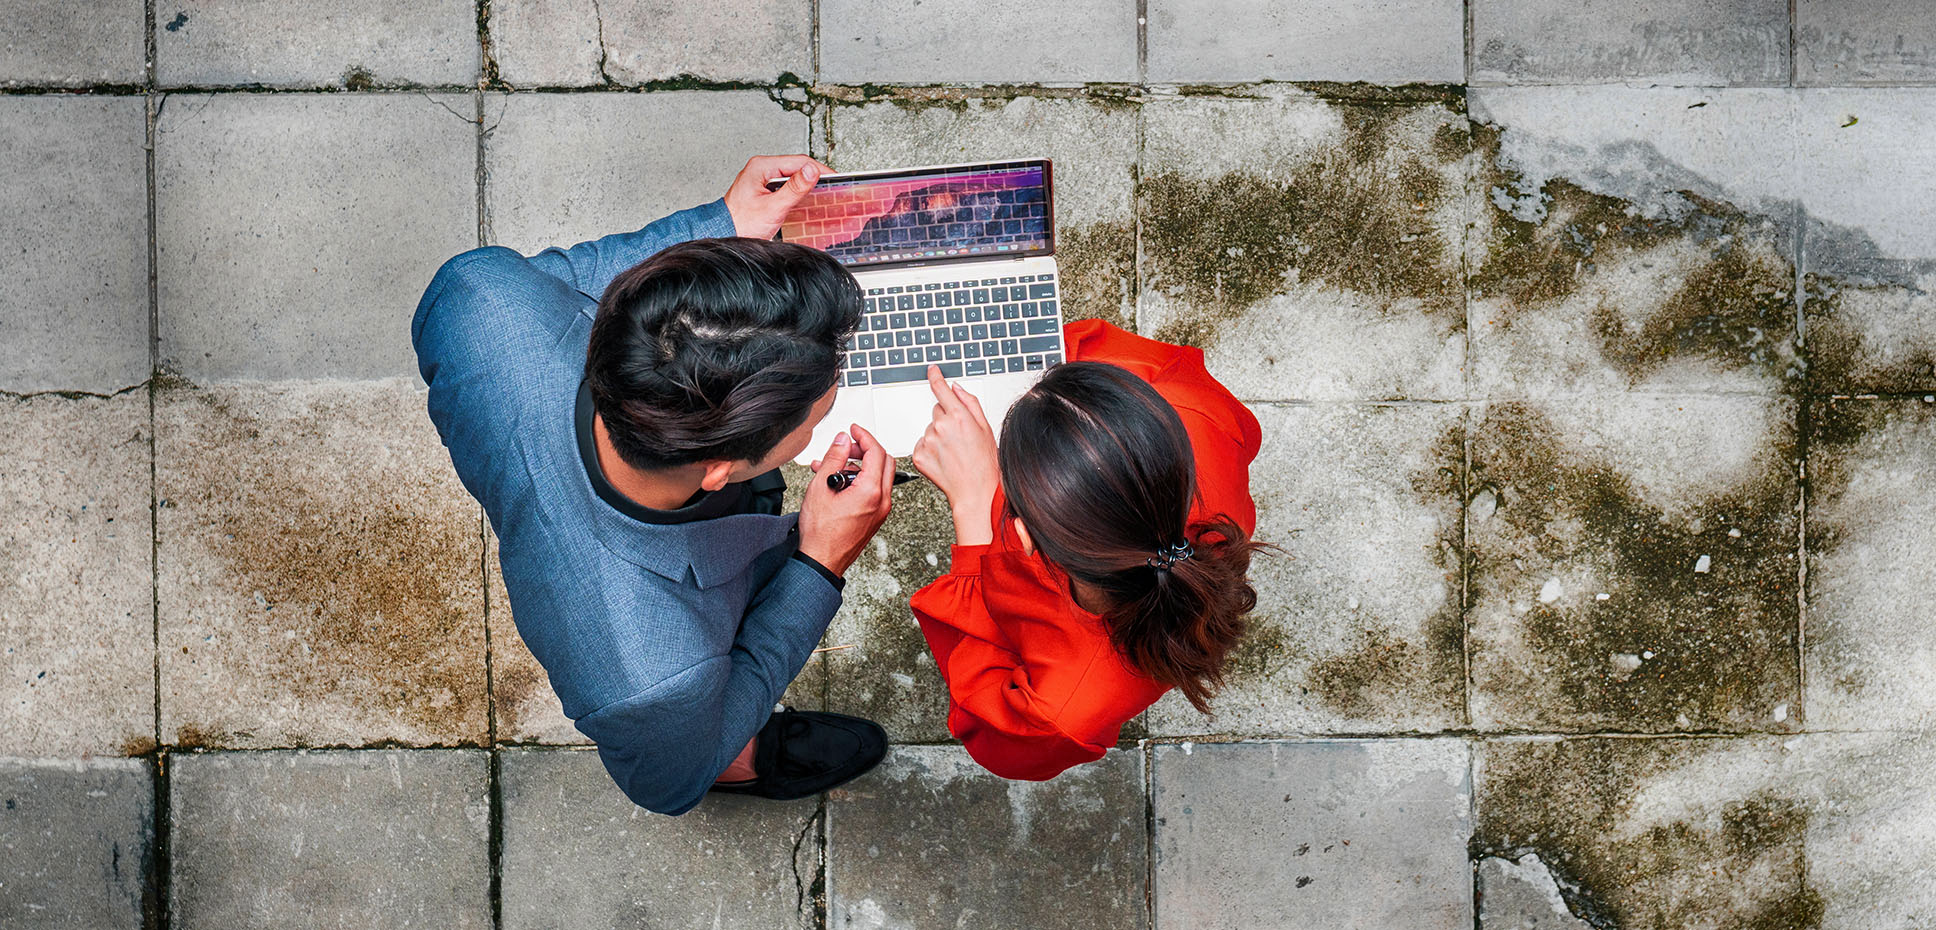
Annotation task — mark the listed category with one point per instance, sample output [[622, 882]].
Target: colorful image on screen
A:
[[971, 211]]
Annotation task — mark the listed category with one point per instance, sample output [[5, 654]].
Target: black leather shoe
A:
[[800, 753]]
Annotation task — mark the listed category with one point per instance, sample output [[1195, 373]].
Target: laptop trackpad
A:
[[901, 415]]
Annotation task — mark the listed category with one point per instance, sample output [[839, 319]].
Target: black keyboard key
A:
[[1014, 364], [904, 302], [1010, 347], [936, 317], [934, 353], [932, 287], [1039, 291], [876, 358], [856, 377], [1026, 278], [1011, 311], [1008, 280], [950, 369], [1045, 277], [1029, 310], [978, 331], [875, 290], [924, 300], [981, 295], [951, 285], [1041, 325], [995, 366], [998, 295], [945, 299], [904, 338], [977, 367], [867, 307], [990, 348], [989, 282], [877, 323], [864, 341], [923, 337], [857, 359], [973, 314], [962, 298], [971, 349], [1048, 307], [896, 356], [1035, 363], [954, 314], [897, 321], [1041, 343], [951, 351], [899, 375], [1054, 359], [941, 335], [960, 333]]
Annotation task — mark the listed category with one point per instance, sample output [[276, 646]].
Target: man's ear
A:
[[1028, 545], [718, 474]]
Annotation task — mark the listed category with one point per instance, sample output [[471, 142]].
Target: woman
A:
[[1099, 559]]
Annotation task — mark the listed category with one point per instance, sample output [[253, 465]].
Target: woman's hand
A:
[[756, 211], [957, 453]]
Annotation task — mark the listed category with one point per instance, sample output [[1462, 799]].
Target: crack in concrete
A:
[[447, 109], [603, 52]]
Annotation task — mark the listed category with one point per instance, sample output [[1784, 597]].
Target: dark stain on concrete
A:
[[1098, 266], [1570, 802], [919, 526], [358, 78], [1842, 359], [1356, 216], [1736, 308], [180, 20], [370, 591], [1717, 647]]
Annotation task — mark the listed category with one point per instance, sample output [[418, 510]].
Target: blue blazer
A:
[[668, 644]]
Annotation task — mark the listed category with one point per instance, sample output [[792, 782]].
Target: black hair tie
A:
[[1167, 557]]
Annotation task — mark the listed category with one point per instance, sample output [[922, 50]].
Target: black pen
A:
[[842, 480]]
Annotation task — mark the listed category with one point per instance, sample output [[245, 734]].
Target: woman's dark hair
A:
[[1099, 468], [716, 349]]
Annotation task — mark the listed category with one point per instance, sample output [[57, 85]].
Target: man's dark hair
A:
[[716, 349]]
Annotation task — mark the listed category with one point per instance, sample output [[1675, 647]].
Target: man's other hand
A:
[[756, 211], [836, 525]]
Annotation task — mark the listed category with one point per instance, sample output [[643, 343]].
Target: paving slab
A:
[[355, 44], [361, 839], [1706, 42], [1402, 42], [1281, 295], [1521, 894], [1632, 240], [51, 43], [319, 570], [564, 168], [879, 666], [1872, 564], [76, 843], [295, 232], [576, 854], [1349, 834], [1652, 833], [1633, 564], [1870, 255], [964, 42], [1357, 624], [1844, 42], [930, 840], [74, 308], [1092, 142], [1870, 836], [76, 589], [549, 43]]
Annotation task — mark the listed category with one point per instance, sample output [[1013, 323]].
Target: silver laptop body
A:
[[957, 264]]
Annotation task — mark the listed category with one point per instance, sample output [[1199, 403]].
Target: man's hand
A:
[[836, 525], [756, 211], [957, 453]]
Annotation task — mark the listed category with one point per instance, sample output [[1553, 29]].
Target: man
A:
[[621, 408]]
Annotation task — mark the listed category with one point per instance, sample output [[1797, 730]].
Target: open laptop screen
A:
[[996, 209]]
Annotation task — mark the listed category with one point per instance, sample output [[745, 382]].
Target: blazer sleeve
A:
[[666, 745], [998, 715]]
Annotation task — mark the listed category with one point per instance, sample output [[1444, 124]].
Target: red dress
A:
[[1034, 685]]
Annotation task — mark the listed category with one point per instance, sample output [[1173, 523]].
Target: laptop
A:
[[957, 265]]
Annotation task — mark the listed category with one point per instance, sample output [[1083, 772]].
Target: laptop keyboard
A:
[[986, 326]]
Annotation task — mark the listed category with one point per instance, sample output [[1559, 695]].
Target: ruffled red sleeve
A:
[[997, 707]]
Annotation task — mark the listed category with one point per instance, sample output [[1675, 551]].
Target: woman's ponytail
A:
[[1180, 630]]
